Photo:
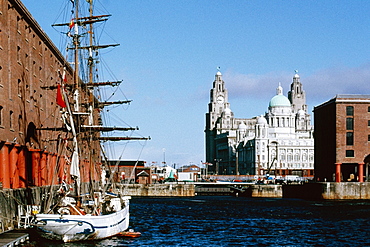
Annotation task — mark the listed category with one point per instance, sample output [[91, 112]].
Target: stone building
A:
[[342, 138], [279, 142]]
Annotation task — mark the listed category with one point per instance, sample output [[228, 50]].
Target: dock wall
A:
[[309, 191], [314, 191], [158, 189], [250, 190], [268, 190], [329, 191]]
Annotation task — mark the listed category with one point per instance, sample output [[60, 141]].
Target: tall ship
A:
[[54, 127]]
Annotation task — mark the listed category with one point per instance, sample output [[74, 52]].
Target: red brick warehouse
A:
[[30, 70], [342, 136]]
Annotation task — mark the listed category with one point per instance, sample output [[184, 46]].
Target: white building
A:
[[279, 142]]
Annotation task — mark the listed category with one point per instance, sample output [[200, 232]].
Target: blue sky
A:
[[170, 50]]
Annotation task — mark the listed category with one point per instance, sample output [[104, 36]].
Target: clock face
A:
[[220, 99]]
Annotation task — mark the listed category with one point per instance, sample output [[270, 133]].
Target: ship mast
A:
[[87, 126], [90, 62], [75, 156], [76, 40]]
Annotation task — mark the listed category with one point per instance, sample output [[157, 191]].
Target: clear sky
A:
[[170, 50]]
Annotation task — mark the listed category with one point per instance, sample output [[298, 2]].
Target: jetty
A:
[[13, 238]]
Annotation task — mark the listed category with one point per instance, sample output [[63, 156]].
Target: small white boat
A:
[[70, 228]]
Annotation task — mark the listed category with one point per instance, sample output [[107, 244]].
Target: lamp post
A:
[[237, 162], [206, 170], [164, 156], [217, 165]]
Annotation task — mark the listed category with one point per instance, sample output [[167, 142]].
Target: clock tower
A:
[[218, 100], [297, 95], [217, 105]]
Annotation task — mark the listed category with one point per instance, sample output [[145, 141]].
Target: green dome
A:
[[279, 100]]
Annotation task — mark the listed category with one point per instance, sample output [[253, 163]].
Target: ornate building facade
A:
[[279, 143]]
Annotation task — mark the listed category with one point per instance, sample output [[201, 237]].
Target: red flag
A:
[[71, 24], [60, 100]]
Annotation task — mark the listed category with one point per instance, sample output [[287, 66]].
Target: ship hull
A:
[[72, 228]]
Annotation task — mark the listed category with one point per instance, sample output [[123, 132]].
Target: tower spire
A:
[[279, 89], [297, 95]]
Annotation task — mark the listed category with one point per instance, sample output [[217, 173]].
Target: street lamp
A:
[[217, 164], [164, 156]]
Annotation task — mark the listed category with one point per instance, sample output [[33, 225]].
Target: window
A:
[[20, 122], [11, 119], [296, 157], [368, 109], [349, 138], [18, 21], [1, 115], [368, 138], [18, 53], [349, 123], [19, 87], [350, 153], [311, 157], [368, 123], [349, 110]]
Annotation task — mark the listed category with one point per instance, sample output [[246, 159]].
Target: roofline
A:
[[346, 98], [40, 32]]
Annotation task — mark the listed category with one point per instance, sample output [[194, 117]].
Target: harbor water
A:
[[230, 221]]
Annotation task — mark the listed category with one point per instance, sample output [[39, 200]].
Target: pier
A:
[[13, 238]]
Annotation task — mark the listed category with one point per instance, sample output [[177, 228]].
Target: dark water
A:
[[230, 221]]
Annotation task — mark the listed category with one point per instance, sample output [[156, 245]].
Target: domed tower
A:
[[279, 116], [279, 101]]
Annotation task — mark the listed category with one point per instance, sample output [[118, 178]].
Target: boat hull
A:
[[71, 228]]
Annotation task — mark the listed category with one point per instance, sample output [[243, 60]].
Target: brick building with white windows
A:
[[342, 138]]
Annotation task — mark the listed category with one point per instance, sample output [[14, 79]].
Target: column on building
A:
[[360, 172], [338, 172]]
